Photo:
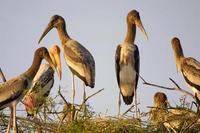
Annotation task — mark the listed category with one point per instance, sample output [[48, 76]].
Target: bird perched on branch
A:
[[188, 67], [42, 83], [13, 90], [78, 58]]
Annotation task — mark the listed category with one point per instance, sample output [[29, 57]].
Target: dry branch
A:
[[2, 75], [85, 100], [177, 88]]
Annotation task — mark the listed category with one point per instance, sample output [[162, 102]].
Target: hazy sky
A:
[[100, 26]]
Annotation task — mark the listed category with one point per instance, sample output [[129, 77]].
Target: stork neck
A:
[[31, 72], [131, 32], [62, 32]]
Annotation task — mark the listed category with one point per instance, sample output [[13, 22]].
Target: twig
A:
[[46, 126], [2, 75], [177, 88], [128, 110], [85, 100], [155, 85], [182, 90], [72, 110], [59, 92]]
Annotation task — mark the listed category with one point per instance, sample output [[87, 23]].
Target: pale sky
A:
[[100, 26]]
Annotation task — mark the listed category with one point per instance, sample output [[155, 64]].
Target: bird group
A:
[[35, 84]]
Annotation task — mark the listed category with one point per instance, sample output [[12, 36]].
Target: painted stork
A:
[[171, 118], [12, 91], [127, 60], [189, 67], [11, 108], [78, 58], [159, 110], [160, 100], [42, 83]]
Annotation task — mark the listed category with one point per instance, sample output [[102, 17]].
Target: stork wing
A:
[[117, 65], [12, 90], [191, 72], [137, 64], [80, 60], [41, 82]]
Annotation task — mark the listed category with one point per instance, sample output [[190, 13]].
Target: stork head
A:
[[178, 52], [160, 100], [134, 18], [56, 21], [55, 56], [42, 52]]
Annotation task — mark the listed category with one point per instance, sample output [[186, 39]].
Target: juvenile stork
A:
[[127, 60], [78, 58], [160, 100], [188, 67], [12, 91], [42, 83], [159, 110]]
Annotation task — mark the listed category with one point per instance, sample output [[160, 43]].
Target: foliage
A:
[[78, 120]]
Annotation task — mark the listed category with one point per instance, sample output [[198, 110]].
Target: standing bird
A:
[[12, 91], [42, 83], [127, 60], [189, 67], [11, 108], [78, 58]]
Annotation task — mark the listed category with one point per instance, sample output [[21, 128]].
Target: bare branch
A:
[[85, 100], [128, 110], [177, 88], [62, 96], [2, 76], [155, 85], [182, 90]]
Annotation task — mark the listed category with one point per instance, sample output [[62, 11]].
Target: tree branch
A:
[[177, 88]]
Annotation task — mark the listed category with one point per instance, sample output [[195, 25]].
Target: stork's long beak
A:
[[141, 27], [48, 59], [55, 56], [58, 64], [48, 28]]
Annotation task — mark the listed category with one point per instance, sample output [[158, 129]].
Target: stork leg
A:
[[14, 118], [73, 95], [136, 109], [10, 120], [73, 89], [119, 104], [84, 97]]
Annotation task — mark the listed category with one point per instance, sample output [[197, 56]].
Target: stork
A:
[[160, 100], [11, 109], [78, 58], [159, 108], [188, 67], [42, 83], [127, 60], [12, 91]]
